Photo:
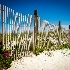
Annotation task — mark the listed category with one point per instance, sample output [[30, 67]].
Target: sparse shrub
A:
[[38, 50], [67, 45], [63, 46], [59, 47], [41, 49]]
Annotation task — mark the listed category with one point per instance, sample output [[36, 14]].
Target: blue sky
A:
[[50, 10]]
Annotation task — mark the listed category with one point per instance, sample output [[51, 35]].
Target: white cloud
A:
[[65, 26]]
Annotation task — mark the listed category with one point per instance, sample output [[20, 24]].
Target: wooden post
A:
[[59, 28], [69, 33], [35, 28], [2, 16], [59, 32]]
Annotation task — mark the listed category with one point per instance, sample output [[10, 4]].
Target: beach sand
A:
[[58, 61]]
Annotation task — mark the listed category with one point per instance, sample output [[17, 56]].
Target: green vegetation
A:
[[0, 36], [63, 46], [5, 59], [38, 50]]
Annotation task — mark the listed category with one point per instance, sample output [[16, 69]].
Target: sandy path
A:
[[42, 62]]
